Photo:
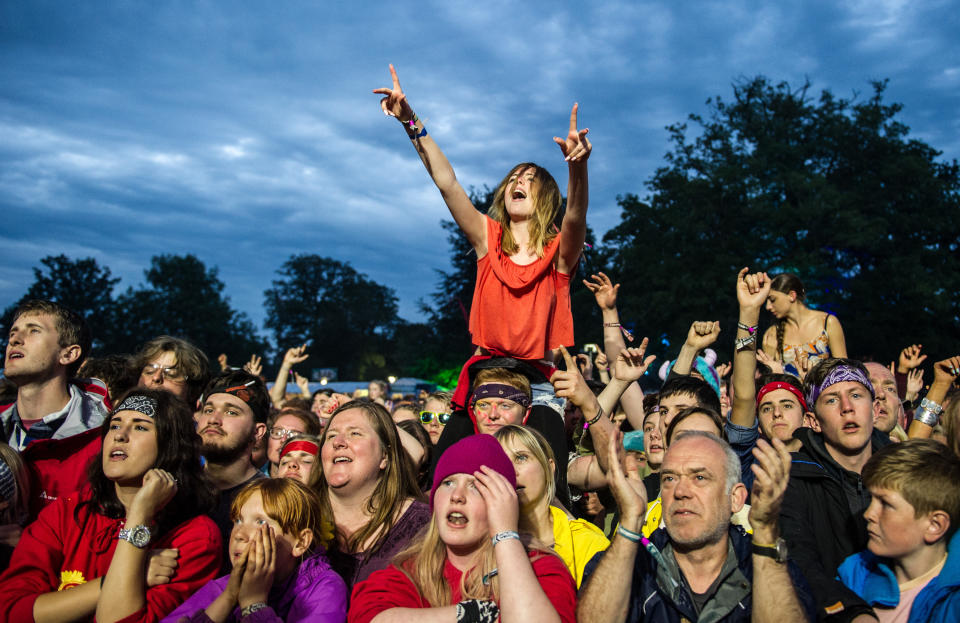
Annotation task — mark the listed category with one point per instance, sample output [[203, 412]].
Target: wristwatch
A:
[[139, 536], [777, 551]]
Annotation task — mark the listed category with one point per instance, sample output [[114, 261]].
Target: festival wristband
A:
[[506, 535], [629, 535]]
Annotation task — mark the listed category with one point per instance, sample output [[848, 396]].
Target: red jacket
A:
[[391, 588], [59, 467], [58, 551]]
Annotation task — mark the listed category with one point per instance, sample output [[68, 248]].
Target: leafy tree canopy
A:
[[347, 319], [831, 189]]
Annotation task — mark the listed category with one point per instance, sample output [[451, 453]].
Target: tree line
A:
[[832, 189]]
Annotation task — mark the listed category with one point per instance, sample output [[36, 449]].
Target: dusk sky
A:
[[244, 132]]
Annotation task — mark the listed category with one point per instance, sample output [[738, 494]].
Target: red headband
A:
[[304, 445], [769, 387]]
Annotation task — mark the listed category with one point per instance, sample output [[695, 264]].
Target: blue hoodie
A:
[[870, 577]]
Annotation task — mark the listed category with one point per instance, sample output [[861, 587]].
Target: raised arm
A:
[[576, 150], [605, 291], [702, 334], [925, 418], [752, 291], [774, 595], [605, 594], [468, 218], [124, 580], [292, 357]]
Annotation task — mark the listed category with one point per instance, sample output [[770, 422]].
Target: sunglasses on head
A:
[[427, 416]]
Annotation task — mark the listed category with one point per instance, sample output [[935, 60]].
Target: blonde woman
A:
[[574, 540], [471, 564]]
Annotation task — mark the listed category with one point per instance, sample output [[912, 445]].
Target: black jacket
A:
[[822, 521]]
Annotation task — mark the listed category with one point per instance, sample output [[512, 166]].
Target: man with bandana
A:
[[231, 419], [822, 514]]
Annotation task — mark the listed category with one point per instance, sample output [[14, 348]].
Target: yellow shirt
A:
[[576, 541]]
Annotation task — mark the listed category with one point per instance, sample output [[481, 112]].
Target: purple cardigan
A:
[[314, 593]]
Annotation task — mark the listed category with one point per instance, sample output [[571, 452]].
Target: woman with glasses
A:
[[174, 365], [436, 414], [281, 427], [369, 486]]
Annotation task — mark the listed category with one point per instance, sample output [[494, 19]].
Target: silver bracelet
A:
[[926, 416], [744, 343], [931, 406]]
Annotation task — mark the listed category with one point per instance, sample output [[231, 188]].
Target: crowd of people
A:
[[791, 484]]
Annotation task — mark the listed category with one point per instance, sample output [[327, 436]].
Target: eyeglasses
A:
[[504, 407], [427, 416], [169, 373], [282, 433]]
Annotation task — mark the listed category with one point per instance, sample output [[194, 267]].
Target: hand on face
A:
[[259, 568], [500, 499]]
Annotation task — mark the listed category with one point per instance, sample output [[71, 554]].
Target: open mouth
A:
[[518, 195], [457, 519], [342, 459], [15, 355], [118, 455]]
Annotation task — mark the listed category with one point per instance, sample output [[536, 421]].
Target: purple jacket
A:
[[314, 593]]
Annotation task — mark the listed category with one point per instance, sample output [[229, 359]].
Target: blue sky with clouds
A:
[[244, 132]]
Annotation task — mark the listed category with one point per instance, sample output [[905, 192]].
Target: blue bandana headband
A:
[[139, 403], [839, 375]]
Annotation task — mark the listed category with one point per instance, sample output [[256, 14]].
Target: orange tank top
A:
[[522, 311]]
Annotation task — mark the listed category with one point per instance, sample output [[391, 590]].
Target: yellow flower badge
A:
[[69, 579]]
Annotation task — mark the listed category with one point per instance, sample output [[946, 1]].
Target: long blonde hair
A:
[[424, 559], [539, 449], [547, 201]]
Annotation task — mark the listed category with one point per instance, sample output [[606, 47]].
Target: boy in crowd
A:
[[907, 574]]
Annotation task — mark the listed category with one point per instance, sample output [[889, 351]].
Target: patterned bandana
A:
[[139, 403], [839, 375], [498, 390], [769, 387]]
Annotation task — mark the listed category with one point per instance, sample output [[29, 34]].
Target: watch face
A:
[[139, 536]]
